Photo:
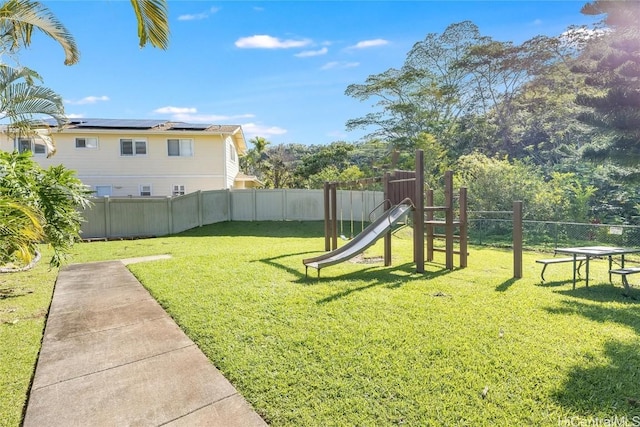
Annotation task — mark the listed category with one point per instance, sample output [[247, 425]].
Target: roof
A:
[[151, 125]]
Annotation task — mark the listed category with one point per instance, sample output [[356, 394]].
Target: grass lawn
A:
[[367, 344]]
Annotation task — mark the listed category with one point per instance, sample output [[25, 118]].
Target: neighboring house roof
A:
[[235, 131], [249, 180]]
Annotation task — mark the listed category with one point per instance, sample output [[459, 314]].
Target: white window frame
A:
[[110, 187], [87, 143], [183, 143], [134, 147], [178, 190], [142, 189], [232, 152], [32, 146]]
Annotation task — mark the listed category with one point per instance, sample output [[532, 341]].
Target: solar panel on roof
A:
[[189, 126], [118, 123]]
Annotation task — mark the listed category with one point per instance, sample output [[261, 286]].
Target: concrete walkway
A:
[[111, 356]]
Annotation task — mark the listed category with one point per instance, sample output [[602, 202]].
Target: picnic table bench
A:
[[624, 272], [548, 261]]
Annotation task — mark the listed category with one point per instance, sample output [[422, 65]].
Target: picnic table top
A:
[[597, 250]]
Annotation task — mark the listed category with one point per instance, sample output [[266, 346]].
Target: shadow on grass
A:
[[627, 315], [605, 292], [504, 286], [387, 277], [612, 389], [14, 293], [391, 277]]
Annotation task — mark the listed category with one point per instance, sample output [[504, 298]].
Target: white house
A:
[[144, 157]]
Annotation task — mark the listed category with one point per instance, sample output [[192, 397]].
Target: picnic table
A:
[[588, 252]]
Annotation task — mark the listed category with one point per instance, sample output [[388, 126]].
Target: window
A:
[[232, 152], [86, 142], [133, 147], [180, 147], [27, 144], [103, 190], [145, 189], [178, 190]]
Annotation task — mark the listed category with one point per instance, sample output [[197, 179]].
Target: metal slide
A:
[[362, 241]]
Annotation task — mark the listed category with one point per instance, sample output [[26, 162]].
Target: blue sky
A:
[[277, 68]]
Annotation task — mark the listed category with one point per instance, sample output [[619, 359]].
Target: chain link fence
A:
[[496, 229]]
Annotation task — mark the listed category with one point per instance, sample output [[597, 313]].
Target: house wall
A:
[[232, 163], [211, 166]]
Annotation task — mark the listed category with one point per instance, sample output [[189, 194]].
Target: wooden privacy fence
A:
[[147, 216]]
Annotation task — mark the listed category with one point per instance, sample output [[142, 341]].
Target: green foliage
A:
[[53, 194], [494, 184], [335, 154], [21, 227], [611, 67]]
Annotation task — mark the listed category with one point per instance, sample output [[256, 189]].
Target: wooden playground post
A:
[[387, 206], [418, 214], [429, 225], [463, 227], [334, 216], [517, 240], [448, 215]]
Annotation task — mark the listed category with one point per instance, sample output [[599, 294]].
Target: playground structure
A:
[[401, 188]]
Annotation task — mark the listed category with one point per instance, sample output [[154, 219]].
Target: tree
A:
[[253, 162], [426, 95], [49, 199], [22, 102], [279, 167], [21, 229], [611, 69]]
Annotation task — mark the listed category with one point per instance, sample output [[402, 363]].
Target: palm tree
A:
[[22, 101], [21, 228], [252, 162]]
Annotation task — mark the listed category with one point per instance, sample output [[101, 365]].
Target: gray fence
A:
[[146, 216]]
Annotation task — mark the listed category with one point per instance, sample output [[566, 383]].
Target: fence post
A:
[[517, 240], [200, 208], [107, 217], [255, 205], [170, 214]]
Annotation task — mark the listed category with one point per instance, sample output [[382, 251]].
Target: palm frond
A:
[[18, 19], [153, 23]]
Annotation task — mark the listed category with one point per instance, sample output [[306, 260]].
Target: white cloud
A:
[[339, 65], [198, 16], [369, 43], [87, 100], [269, 42], [191, 115], [175, 110], [251, 130], [309, 53], [74, 116], [537, 22]]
